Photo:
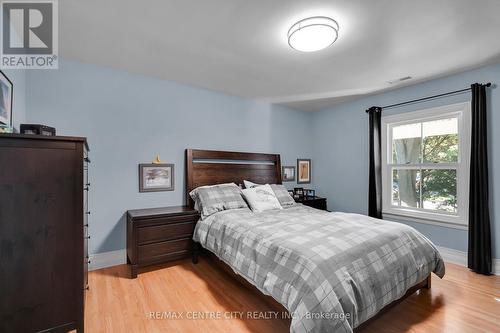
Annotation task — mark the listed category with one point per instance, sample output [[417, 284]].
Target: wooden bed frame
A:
[[211, 167]]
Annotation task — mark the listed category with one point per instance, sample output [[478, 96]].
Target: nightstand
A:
[[314, 202], [159, 235]]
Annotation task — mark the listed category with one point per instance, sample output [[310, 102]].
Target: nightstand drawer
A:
[[150, 222], [318, 204], [314, 202], [165, 232], [164, 249]]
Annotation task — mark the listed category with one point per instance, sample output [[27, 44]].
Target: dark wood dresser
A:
[[43, 225], [315, 202], [159, 235]]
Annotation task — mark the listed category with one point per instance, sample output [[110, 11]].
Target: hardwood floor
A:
[[461, 302]]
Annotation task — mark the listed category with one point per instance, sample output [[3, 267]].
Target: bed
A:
[[333, 272]]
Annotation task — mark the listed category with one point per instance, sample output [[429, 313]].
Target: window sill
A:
[[390, 216]]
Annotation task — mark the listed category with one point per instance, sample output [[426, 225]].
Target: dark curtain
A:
[[479, 253], [375, 181]]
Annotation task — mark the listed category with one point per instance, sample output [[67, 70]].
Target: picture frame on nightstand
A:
[[309, 193]]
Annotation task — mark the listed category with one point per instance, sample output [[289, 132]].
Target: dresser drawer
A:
[[165, 232], [164, 249]]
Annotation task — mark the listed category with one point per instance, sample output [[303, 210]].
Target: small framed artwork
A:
[[288, 173], [303, 171], [156, 177], [6, 94]]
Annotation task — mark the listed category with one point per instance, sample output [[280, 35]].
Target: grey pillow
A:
[[216, 198], [283, 196]]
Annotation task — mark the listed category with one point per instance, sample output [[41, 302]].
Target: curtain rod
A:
[[429, 97]]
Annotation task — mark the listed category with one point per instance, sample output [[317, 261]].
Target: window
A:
[[425, 161]]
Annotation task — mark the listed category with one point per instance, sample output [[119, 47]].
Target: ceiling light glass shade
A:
[[313, 34]]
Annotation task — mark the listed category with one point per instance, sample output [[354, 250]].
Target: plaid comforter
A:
[[331, 271]]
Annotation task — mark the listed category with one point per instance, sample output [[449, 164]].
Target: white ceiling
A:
[[239, 46]]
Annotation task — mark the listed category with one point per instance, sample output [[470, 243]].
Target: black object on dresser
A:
[[159, 235], [43, 259], [37, 129], [315, 202]]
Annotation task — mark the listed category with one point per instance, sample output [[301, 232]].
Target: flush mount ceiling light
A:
[[313, 34]]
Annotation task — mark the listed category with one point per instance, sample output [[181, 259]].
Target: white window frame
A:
[[458, 220]]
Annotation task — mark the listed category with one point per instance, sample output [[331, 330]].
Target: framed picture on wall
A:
[[6, 94], [288, 173], [303, 171], [156, 177]]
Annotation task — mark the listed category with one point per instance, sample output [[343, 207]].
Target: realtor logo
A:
[[29, 34]]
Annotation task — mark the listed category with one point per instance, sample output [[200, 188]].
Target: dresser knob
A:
[[88, 213], [88, 237], [88, 261], [87, 287]]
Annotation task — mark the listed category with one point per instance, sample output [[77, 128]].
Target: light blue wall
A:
[[341, 149], [128, 119], [18, 79]]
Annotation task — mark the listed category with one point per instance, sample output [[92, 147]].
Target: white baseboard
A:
[[119, 257], [460, 258], [453, 256], [107, 259]]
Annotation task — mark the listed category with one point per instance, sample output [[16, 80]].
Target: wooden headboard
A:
[[211, 167]]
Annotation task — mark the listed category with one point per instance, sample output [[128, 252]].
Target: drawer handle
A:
[[86, 225], [88, 237], [88, 213], [87, 287], [88, 261]]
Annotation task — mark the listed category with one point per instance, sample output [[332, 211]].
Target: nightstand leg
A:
[[133, 271], [196, 252]]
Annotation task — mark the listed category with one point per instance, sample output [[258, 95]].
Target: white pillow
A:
[[261, 198], [280, 191]]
